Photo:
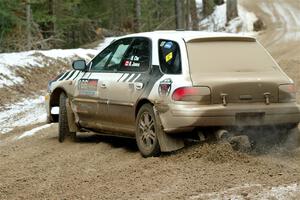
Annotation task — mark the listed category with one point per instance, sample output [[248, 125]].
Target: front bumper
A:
[[180, 117]]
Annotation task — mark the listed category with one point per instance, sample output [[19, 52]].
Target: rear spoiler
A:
[[220, 39]]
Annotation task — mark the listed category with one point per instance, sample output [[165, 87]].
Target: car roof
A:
[[189, 36]]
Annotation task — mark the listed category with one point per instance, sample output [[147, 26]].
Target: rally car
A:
[[156, 85]]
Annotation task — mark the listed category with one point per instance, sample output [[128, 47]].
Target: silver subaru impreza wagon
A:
[[156, 86]]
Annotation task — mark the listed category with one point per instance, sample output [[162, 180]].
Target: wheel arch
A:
[[54, 98], [54, 102], [140, 103]]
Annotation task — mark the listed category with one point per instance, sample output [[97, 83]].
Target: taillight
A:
[[199, 94], [287, 93]]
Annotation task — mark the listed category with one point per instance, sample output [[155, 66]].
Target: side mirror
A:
[[79, 65]]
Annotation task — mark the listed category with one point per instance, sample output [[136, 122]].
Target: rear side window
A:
[[169, 57]]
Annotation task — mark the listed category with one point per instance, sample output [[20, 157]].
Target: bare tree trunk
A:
[[219, 2], [137, 17], [28, 24], [208, 7], [113, 19], [157, 13], [187, 15], [54, 12], [232, 9], [179, 14], [194, 15]]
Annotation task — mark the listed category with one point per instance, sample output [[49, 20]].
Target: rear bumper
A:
[[177, 118]]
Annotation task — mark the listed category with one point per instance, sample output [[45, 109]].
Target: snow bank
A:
[[217, 21], [9, 62], [33, 131], [23, 113], [32, 111]]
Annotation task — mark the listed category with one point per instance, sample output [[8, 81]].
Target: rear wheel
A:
[[146, 132], [63, 126]]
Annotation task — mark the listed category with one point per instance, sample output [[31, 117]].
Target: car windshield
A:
[[229, 56]]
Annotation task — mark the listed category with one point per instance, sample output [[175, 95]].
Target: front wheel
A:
[[63, 126], [146, 132]]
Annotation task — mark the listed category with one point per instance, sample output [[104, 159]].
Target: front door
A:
[[92, 91], [129, 83]]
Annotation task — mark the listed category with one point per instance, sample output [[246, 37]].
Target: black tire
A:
[[63, 126], [146, 132]]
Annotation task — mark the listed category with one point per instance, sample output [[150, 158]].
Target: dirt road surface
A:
[[95, 167]]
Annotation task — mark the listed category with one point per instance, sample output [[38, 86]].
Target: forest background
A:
[[47, 24]]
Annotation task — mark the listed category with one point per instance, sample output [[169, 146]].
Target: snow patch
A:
[[9, 62], [217, 21], [268, 10], [290, 19], [291, 191], [23, 113], [32, 111], [33, 131], [105, 43]]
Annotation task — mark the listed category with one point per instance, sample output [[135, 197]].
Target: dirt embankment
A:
[[35, 80]]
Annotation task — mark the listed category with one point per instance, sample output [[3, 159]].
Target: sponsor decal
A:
[[162, 43], [168, 45], [127, 63], [165, 87], [135, 58], [88, 87], [135, 64], [169, 56]]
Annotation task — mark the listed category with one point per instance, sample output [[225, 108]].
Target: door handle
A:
[[103, 85], [138, 85]]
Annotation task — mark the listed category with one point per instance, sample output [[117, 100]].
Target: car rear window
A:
[[229, 56]]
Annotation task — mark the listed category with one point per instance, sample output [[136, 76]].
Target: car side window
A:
[[110, 58], [137, 58], [169, 57]]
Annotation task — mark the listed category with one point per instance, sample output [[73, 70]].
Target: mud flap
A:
[[167, 143], [71, 118]]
